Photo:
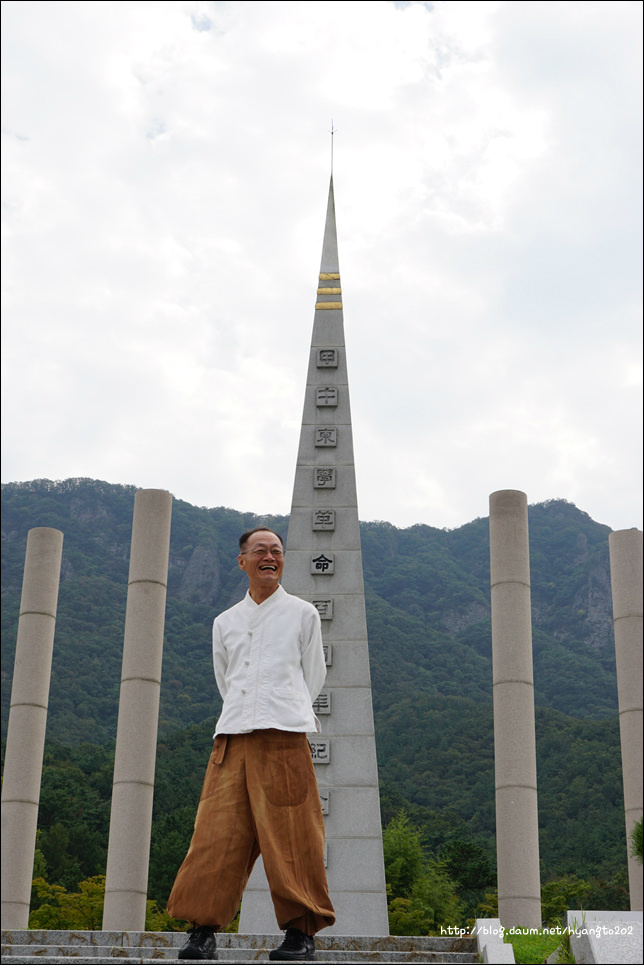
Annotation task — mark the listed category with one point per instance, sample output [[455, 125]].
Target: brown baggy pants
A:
[[259, 795]]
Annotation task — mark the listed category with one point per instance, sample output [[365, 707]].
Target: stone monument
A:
[[324, 566]]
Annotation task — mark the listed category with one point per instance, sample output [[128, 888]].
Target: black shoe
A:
[[201, 944], [296, 947]]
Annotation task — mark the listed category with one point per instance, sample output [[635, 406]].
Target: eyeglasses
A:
[[263, 550]]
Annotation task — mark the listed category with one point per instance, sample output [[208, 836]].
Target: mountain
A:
[[428, 613], [427, 606]]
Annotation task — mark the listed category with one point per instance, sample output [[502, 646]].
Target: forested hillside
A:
[[427, 606], [429, 632]]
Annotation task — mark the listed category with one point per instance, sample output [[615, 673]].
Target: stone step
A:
[[164, 940], [45, 956], [95, 948]]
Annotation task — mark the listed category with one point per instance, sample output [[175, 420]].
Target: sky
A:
[[165, 178]]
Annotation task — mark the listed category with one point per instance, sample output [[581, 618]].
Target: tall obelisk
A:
[[324, 566]]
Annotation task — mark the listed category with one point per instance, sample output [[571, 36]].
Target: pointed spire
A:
[[330, 264]]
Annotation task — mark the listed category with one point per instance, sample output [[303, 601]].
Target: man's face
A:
[[262, 559]]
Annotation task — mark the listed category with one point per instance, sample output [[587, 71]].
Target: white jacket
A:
[[269, 664]]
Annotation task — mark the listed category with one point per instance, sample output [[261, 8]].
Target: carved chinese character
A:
[[320, 751], [324, 519], [326, 854], [326, 395], [322, 703], [325, 796], [324, 608], [322, 564], [324, 478], [326, 436], [328, 653], [327, 358]]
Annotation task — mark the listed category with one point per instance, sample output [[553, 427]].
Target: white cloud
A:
[[165, 182]]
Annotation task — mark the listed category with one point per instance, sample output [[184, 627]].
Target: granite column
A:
[[28, 721], [133, 788], [625, 547], [517, 829]]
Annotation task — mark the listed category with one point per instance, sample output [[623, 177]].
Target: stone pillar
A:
[[131, 816], [625, 547], [515, 768], [27, 721]]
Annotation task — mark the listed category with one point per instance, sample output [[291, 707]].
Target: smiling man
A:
[[260, 794]]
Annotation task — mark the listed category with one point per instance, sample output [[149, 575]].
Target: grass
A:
[[533, 949]]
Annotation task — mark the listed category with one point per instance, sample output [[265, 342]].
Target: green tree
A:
[[170, 839], [636, 841], [556, 898], [61, 910], [469, 866], [404, 856], [560, 895], [40, 865], [158, 919], [422, 897], [611, 892]]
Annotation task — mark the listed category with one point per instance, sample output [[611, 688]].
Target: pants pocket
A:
[[287, 767], [212, 771]]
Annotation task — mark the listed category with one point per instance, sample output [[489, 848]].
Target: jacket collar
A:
[[279, 594]]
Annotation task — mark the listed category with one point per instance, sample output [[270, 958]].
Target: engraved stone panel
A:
[[326, 436], [320, 751], [324, 608], [326, 395], [327, 358], [328, 653], [322, 703], [322, 565], [324, 519], [324, 477], [325, 796]]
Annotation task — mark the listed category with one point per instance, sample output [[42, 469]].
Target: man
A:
[[260, 794]]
